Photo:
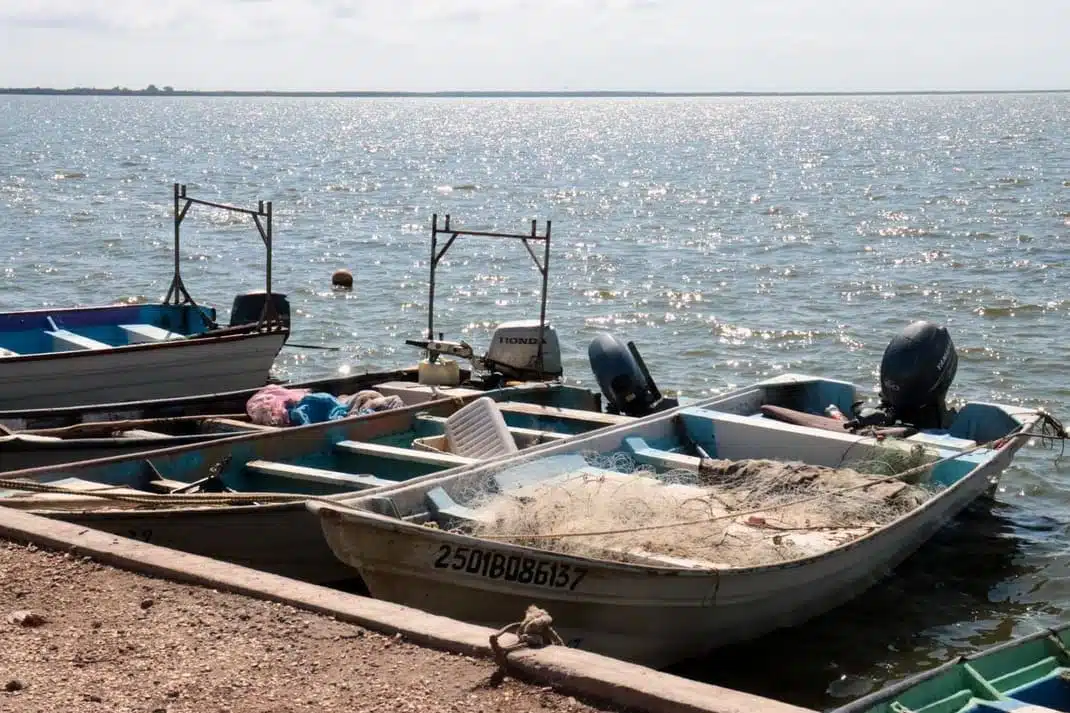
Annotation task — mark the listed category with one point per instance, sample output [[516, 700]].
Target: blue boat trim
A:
[[51, 331], [359, 450]]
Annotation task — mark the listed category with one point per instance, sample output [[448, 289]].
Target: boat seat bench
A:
[[447, 511], [558, 412], [316, 475], [142, 333], [448, 460], [143, 433], [228, 425], [75, 342], [166, 484], [539, 435], [644, 453], [534, 433]]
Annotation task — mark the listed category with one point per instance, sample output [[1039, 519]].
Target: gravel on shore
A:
[[77, 635]]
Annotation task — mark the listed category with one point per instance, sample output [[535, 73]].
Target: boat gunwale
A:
[[205, 338], [409, 410], [12, 443], [175, 511], [195, 399], [863, 704], [345, 510], [893, 690]]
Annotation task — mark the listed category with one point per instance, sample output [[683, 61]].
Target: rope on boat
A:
[[126, 424], [163, 499], [535, 630], [1051, 430]]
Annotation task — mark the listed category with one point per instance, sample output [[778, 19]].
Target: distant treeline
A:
[[167, 91]]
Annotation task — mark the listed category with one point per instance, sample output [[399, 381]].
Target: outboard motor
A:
[[513, 352], [623, 377], [918, 367], [248, 307]]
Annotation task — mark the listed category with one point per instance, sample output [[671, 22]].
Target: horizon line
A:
[[153, 91]]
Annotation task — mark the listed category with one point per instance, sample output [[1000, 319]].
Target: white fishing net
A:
[[721, 514]]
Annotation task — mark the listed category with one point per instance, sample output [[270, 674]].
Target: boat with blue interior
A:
[[67, 357], [1030, 674], [717, 521], [240, 499]]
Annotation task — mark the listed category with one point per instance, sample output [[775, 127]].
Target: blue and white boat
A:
[[689, 529], [106, 354], [523, 351]]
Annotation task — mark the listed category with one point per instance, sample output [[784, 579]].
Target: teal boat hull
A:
[[282, 538], [1027, 675]]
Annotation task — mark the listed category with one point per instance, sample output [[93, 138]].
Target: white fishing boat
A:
[[520, 351], [73, 356], [769, 530]]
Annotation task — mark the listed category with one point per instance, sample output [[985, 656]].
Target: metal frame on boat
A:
[[521, 351], [543, 267], [85, 355], [269, 318]]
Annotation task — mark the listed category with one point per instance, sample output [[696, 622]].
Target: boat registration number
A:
[[510, 568]]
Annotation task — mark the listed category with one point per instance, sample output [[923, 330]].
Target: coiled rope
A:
[[536, 630]]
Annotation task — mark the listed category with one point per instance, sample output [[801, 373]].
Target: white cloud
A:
[[227, 19], [533, 44]]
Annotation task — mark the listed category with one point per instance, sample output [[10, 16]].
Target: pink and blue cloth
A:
[[276, 405]]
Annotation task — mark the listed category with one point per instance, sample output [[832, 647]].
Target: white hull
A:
[[652, 615], [642, 614], [138, 373]]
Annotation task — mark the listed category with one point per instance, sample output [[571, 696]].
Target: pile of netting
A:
[[724, 514]]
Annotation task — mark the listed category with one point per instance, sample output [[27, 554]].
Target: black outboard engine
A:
[[623, 377], [918, 367], [248, 307]]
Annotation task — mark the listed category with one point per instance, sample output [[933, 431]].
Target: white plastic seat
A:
[[479, 431]]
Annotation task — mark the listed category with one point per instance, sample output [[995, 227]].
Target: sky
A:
[[429, 45]]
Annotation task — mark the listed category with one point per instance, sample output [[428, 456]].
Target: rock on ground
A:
[[111, 640]]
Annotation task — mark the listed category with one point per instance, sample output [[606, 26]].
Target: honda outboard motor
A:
[[248, 307], [514, 351], [918, 367], [623, 377]]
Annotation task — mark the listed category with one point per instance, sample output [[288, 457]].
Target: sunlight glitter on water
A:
[[729, 238]]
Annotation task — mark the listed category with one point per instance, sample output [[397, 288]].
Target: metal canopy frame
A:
[[527, 239], [177, 293]]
